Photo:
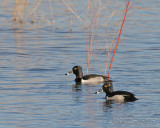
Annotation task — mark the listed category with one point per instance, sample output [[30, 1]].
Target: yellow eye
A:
[[75, 68], [105, 86]]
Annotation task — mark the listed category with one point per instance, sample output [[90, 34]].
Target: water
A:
[[34, 58]]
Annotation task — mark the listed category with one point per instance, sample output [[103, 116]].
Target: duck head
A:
[[107, 88], [77, 70]]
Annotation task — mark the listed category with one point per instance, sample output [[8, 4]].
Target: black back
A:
[[128, 96], [108, 89], [77, 70]]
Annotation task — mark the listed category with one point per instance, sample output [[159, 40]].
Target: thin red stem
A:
[[118, 38]]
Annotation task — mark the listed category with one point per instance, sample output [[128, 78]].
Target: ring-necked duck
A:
[[122, 96], [91, 78]]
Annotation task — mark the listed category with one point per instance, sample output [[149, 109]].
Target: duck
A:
[[111, 95], [86, 79]]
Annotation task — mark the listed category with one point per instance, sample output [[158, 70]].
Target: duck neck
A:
[[109, 90], [78, 77], [79, 74]]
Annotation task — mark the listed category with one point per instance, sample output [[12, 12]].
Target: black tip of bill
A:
[[68, 73], [100, 90], [96, 92]]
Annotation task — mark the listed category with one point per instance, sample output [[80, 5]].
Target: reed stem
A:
[[118, 38]]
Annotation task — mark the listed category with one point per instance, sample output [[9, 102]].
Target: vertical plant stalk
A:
[[53, 19], [18, 11], [71, 21], [94, 17], [85, 22], [113, 41], [91, 41], [97, 15], [118, 38], [33, 11], [73, 11]]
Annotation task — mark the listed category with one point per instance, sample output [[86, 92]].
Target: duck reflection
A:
[[76, 87]]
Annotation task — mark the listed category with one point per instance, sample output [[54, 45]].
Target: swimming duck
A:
[[91, 78], [122, 96]]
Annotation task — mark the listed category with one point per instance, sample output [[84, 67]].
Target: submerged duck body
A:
[[91, 78], [122, 96]]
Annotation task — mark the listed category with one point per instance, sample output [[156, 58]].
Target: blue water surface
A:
[[35, 56]]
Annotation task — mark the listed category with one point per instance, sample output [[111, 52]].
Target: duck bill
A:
[[100, 90], [70, 72]]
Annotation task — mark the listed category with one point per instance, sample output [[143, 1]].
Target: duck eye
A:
[[105, 86], [75, 68]]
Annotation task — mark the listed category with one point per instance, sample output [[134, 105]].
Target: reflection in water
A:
[[77, 92], [29, 57], [77, 87], [108, 104]]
